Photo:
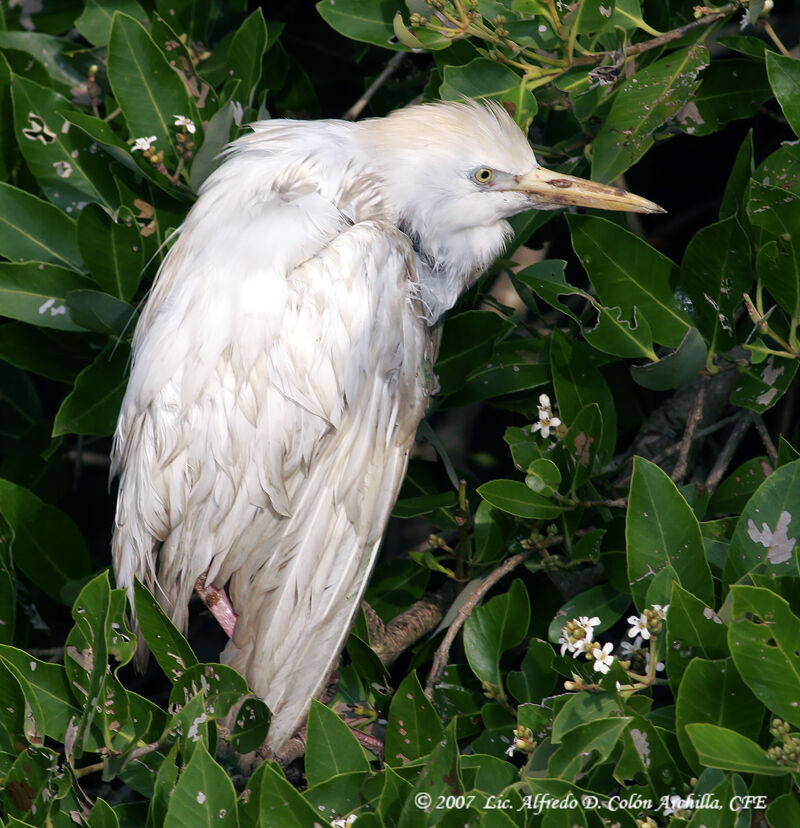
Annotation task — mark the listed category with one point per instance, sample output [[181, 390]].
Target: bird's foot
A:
[[218, 603]]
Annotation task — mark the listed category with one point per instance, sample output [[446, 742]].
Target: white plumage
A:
[[284, 360]]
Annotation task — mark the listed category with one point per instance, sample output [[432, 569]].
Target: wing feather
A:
[[268, 449]]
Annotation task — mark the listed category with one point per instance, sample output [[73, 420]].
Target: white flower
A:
[[639, 627], [661, 611], [511, 748], [603, 658], [183, 121], [143, 143], [589, 624], [565, 643], [659, 664], [546, 418], [628, 648]]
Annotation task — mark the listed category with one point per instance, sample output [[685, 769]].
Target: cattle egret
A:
[[284, 359]]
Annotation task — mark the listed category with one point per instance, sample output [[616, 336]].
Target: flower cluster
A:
[[649, 623], [577, 637], [546, 418], [523, 741]]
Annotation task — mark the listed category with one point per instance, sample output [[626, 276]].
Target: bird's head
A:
[[453, 172]]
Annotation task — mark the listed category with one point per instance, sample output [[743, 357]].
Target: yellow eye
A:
[[484, 175]]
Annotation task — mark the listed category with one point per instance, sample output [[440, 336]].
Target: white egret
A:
[[284, 359]]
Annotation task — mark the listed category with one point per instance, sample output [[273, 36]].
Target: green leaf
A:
[[766, 534], [203, 796], [250, 729], [716, 271], [467, 344], [36, 293], [735, 195], [577, 384], [643, 103], [764, 637], [50, 684], [582, 443], [516, 498], [244, 59], [221, 686], [543, 477], [66, 167], [759, 387], [585, 746], [331, 747], [277, 802], [579, 709], [414, 727], [54, 51], [602, 601], [629, 273], [693, 630], [729, 90], [102, 815], [500, 624], [34, 230], [439, 777], [43, 351], [95, 22], [147, 89], [661, 530], [190, 17], [784, 77], [170, 648], [96, 311], [675, 369], [93, 404], [483, 78], [713, 692], [47, 546], [112, 249], [362, 20], [535, 678], [217, 135], [785, 810], [720, 747]]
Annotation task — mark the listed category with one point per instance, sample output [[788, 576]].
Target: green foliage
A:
[[625, 634]]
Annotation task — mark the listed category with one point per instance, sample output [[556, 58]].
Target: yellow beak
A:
[[556, 189]]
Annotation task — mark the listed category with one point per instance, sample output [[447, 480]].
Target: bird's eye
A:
[[483, 176]]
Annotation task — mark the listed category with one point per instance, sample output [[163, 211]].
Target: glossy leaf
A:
[[414, 728], [627, 272], [247, 48], [486, 79], [721, 747], [95, 22], [146, 87], [643, 103], [661, 530], [203, 795], [92, 407], [716, 271], [331, 747], [784, 77], [675, 369], [47, 546], [578, 384], [362, 20], [713, 692], [94, 310], [516, 498], [66, 166], [764, 636], [766, 536], [34, 230], [36, 293], [500, 624], [112, 249]]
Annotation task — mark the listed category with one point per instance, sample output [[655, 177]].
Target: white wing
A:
[[266, 428]]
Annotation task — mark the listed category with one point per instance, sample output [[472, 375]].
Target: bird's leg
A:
[[218, 602]]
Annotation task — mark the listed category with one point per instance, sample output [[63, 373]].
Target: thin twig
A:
[[744, 421], [695, 415], [761, 428], [464, 611], [391, 68]]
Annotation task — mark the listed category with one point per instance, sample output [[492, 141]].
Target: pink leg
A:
[[218, 602]]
